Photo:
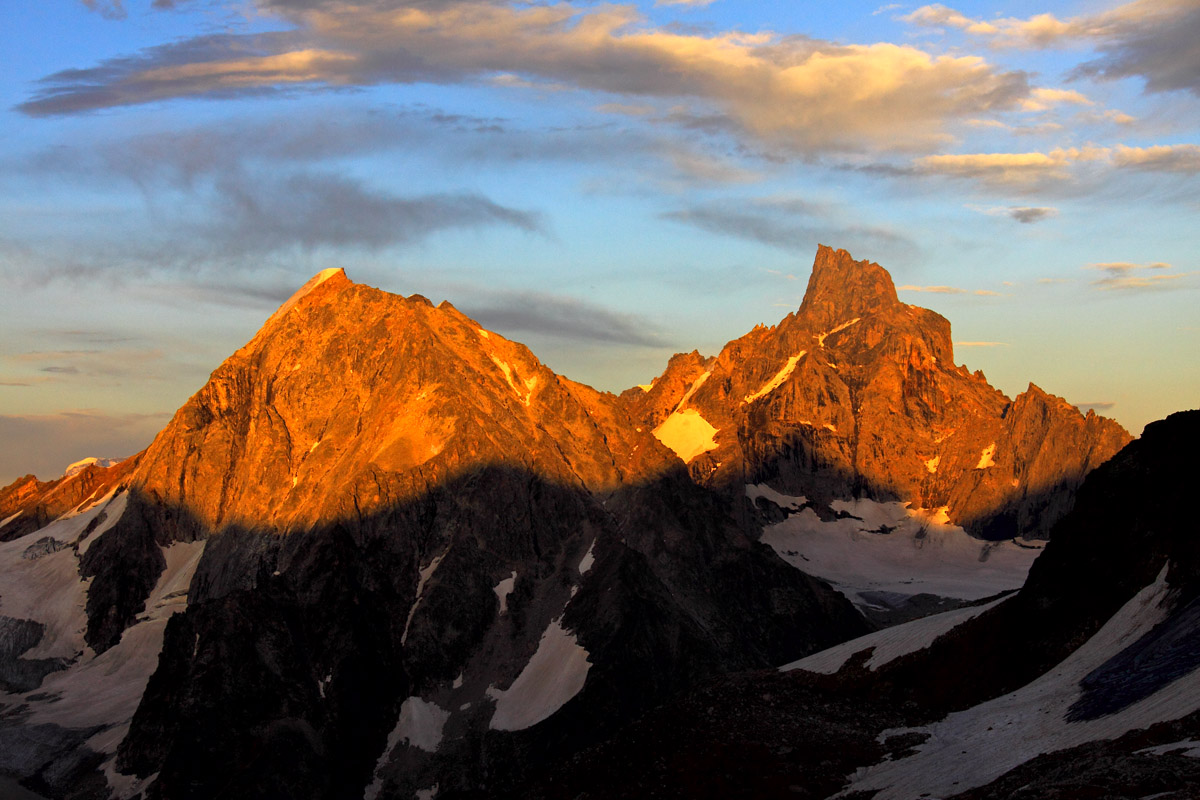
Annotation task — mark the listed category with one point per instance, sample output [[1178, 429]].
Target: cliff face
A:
[[857, 394]]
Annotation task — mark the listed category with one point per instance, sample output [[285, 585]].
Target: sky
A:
[[607, 183]]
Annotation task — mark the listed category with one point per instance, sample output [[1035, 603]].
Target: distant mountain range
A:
[[384, 552]]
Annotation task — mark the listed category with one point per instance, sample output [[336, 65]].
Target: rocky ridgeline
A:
[[857, 394]]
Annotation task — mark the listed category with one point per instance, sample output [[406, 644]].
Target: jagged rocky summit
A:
[[385, 550], [857, 394]]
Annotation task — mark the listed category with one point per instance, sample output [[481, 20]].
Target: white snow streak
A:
[[553, 676], [588, 559], [890, 643], [426, 574], [530, 383], [839, 328], [7, 520], [974, 747], [776, 381]]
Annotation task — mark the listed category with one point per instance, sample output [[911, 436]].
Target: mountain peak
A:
[[334, 277], [841, 288]]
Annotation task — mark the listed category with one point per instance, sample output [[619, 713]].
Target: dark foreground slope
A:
[[1083, 684]]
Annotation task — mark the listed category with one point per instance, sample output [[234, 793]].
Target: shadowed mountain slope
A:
[[1083, 684]]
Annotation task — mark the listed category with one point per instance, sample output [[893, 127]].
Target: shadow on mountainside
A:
[[287, 670], [802, 733]]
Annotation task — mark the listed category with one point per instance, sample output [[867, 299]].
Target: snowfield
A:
[[875, 547]]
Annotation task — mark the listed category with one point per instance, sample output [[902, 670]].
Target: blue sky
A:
[[609, 183]]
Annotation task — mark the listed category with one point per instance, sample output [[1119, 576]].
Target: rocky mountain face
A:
[[384, 552], [381, 550], [1085, 683], [857, 394]]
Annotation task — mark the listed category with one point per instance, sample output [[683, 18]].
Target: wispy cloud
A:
[[788, 223], [561, 317], [798, 93], [948, 290], [1151, 39], [1126, 275], [1105, 405], [1024, 214]]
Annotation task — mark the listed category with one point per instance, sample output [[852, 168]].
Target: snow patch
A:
[[645, 387], [588, 559], [502, 589], [890, 643], [84, 463], [887, 547], [1188, 747], [420, 725], [530, 383], [985, 458], [483, 333], [932, 464], [776, 381], [687, 433], [427, 794], [972, 748], [313, 283], [7, 520], [553, 676]]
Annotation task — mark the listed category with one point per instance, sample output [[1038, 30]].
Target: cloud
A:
[[1101, 406], [931, 289], [787, 223], [113, 9], [1009, 168], [948, 290], [1030, 214], [311, 210], [1024, 214], [1033, 170], [1179, 158], [1151, 39], [797, 93], [1126, 275], [562, 317]]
